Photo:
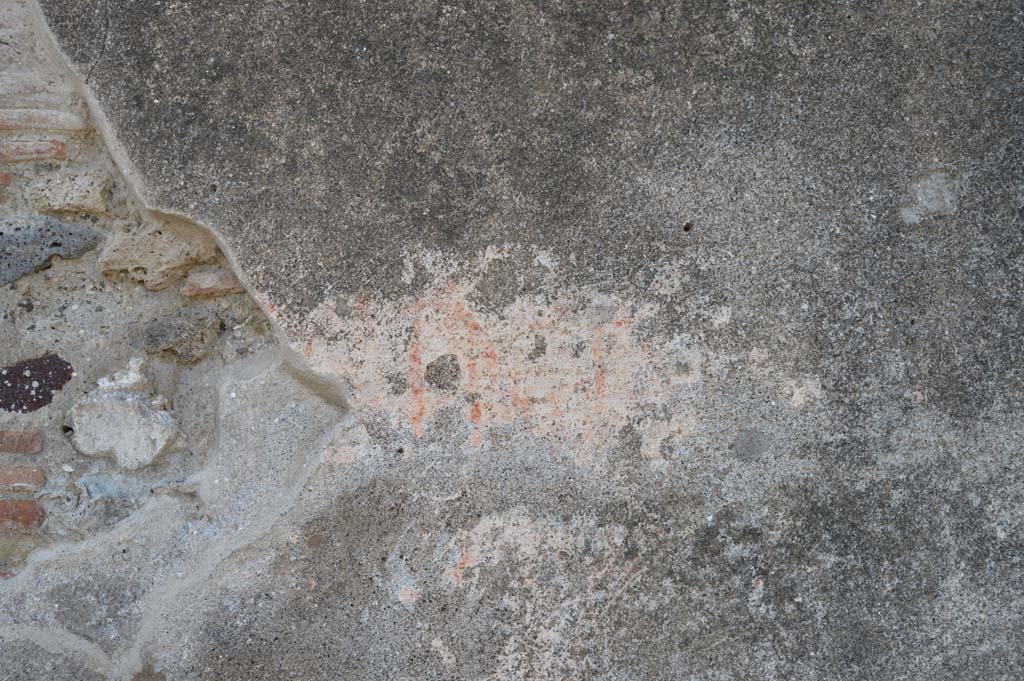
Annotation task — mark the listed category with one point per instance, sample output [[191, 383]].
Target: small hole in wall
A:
[[68, 430], [213, 188], [400, 450], [687, 226]]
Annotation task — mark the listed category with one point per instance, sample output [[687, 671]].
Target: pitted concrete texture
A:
[[617, 341]]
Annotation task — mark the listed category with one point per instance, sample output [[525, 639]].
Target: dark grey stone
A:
[[443, 373], [28, 242], [187, 334]]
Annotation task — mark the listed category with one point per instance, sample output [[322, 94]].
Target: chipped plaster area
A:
[[568, 369], [572, 368]]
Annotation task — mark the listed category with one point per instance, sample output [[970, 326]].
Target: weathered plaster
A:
[[664, 340]]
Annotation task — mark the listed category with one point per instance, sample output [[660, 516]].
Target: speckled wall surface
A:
[[614, 340]]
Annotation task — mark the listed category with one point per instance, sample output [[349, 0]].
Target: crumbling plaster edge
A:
[[331, 388]]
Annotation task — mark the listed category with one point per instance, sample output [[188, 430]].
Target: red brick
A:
[[21, 515], [32, 150], [21, 478], [21, 441], [6, 179], [40, 119]]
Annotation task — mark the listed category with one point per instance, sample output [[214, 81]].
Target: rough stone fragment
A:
[[31, 384], [122, 419], [32, 150], [21, 442], [106, 499], [211, 283], [443, 373], [21, 478], [158, 256], [28, 242], [188, 334], [40, 119], [82, 192], [21, 515]]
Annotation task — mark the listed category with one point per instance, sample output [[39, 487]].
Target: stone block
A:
[[122, 419], [28, 242]]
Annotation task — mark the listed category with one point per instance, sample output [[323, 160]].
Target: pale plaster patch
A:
[[443, 652], [347, 444], [592, 378], [804, 391], [721, 316], [936, 193]]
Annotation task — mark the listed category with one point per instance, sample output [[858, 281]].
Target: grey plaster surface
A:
[[679, 340]]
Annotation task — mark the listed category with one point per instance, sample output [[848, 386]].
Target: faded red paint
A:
[[40, 119], [419, 410], [580, 398], [476, 416], [417, 389], [456, 573], [15, 151]]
